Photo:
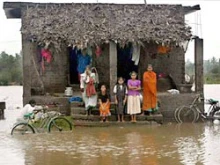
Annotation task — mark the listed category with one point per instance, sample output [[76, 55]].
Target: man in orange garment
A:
[[149, 90]]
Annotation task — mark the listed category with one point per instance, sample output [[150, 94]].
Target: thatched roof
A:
[[98, 23]]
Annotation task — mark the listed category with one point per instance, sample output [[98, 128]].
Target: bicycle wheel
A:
[[176, 114], [22, 128], [187, 114], [59, 124], [199, 114]]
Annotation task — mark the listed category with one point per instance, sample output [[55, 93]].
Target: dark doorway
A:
[[125, 64], [73, 76]]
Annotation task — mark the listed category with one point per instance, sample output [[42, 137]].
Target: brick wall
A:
[[171, 63]]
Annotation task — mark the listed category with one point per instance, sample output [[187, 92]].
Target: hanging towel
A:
[[136, 53], [89, 51], [98, 51], [46, 54]]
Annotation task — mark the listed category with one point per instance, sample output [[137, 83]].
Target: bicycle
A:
[[192, 113], [52, 121]]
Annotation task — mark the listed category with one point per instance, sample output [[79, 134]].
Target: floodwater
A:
[[168, 144]]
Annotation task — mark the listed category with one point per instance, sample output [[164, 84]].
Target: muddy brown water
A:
[[168, 144]]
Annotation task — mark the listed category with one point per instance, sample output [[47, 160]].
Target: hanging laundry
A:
[[83, 61], [136, 53], [163, 49], [46, 54], [184, 45], [98, 51], [89, 51]]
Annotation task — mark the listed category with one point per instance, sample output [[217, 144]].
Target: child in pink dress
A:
[[133, 105]]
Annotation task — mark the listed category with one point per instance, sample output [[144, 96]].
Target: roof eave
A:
[[191, 9], [13, 13], [13, 9]]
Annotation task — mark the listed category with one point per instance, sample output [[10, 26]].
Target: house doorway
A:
[[125, 65], [73, 73]]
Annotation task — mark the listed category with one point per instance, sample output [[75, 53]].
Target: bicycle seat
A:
[[212, 101]]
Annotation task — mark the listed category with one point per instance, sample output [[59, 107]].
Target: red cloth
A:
[[90, 88], [98, 51], [46, 54]]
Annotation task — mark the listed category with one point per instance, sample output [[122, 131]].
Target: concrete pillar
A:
[[112, 65], [199, 82]]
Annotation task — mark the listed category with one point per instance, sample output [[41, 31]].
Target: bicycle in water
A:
[[52, 121], [192, 113]]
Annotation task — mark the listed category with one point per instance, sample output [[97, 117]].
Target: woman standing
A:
[[149, 90], [87, 86], [133, 105]]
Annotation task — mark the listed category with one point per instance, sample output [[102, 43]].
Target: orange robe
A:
[[149, 90]]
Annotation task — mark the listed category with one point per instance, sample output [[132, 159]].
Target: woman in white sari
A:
[[89, 94]]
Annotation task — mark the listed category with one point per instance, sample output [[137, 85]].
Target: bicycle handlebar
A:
[[198, 96]]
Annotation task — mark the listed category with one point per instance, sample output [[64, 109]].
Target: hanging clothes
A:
[[163, 49], [136, 53], [83, 61], [46, 54], [98, 51], [89, 51]]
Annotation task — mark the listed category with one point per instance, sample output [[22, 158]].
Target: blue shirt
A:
[[83, 61]]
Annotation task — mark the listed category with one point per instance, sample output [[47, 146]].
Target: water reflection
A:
[[169, 144], [11, 151], [184, 144]]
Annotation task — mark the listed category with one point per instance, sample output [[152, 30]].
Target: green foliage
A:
[[211, 70], [189, 68], [10, 69]]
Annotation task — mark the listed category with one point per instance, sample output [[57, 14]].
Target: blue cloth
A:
[[154, 109], [72, 99], [83, 61]]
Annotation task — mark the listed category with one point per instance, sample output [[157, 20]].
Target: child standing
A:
[[134, 87], [104, 104], [120, 91]]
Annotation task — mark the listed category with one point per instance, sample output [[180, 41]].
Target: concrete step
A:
[[95, 118], [82, 111], [111, 123]]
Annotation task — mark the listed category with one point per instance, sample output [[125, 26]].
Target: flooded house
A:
[[119, 38]]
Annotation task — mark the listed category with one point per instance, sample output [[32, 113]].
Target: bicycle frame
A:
[[44, 122]]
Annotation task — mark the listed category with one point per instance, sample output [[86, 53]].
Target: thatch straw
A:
[[98, 23]]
